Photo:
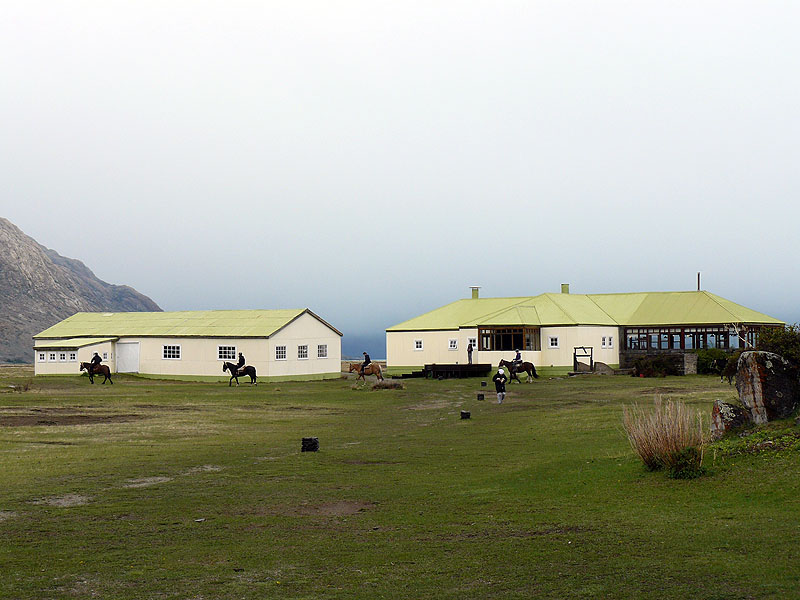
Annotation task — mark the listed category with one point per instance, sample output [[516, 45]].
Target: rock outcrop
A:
[[767, 385], [725, 416], [39, 287]]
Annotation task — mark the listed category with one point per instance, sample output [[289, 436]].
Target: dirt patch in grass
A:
[[146, 482], [340, 508], [495, 534], [64, 501], [60, 418], [662, 390], [202, 469], [6, 514]]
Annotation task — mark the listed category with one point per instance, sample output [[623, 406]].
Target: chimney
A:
[[565, 288], [474, 289]]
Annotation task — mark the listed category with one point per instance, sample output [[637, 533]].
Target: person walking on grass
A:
[[469, 353], [500, 385]]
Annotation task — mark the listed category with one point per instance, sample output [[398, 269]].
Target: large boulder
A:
[[767, 385], [725, 416]]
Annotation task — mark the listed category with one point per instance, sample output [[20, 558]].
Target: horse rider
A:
[[367, 360], [240, 364], [517, 362], [95, 363]]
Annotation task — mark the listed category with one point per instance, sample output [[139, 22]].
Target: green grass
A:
[[193, 490]]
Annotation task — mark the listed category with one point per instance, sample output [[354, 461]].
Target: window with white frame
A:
[[474, 342], [51, 356], [280, 352], [322, 351], [73, 356], [42, 357], [302, 352], [417, 345], [552, 341], [607, 342], [105, 355], [172, 352], [62, 357], [226, 352], [452, 344]]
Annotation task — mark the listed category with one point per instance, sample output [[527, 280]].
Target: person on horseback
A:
[[515, 364], [95, 362], [240, 363], [367, 360]]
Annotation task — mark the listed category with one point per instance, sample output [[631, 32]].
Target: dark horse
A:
[[98, 370], [524, 367], [236, 373]]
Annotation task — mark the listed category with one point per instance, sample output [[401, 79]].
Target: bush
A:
[[686, 464], [670, 436], [708, 356], [660, 365], [784, 341]]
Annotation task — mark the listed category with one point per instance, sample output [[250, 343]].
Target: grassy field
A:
[[153, 489]]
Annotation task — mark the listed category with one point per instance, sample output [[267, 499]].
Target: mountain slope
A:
[[39, 287]]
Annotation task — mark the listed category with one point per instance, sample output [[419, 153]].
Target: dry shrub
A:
[[668, 436], [388, 384]]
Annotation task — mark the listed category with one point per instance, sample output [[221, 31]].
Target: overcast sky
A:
[[372, 160]]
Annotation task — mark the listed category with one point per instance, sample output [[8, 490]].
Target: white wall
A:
[[400, 347], [305, 331], [58, 367]]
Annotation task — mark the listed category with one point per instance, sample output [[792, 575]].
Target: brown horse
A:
[[372, 369], [524, 367], [99, 370]]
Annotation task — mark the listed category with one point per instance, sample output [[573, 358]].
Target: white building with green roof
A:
[[280, 344], [548, 328]]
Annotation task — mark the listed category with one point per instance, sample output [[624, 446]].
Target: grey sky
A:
[[371, 160]]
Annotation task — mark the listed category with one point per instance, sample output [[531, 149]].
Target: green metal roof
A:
[[635, 309], [204, 323], [72, 343]]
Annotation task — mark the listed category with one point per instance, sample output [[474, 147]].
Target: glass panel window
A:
[[452, 345], [226, 352], [322, 351], [552, 341], [280, 352], [42, 356], [417, 345], [51, 356], [172, 352], [105, 355], [509, 338], [73, 356], [62, 356], [302, 352]]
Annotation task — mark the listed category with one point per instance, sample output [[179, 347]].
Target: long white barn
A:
[[280, 344]]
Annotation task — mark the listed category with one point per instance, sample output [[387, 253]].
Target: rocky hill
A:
[[39, 287]]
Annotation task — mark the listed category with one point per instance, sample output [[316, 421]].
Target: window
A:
[[302, 352], [452, 345], [73, 356], [51, 356], [280, 352], [105, 356], [226, 352], [552, 341], [474, 342], [42, 357], [506, 339], [62, 357], [172, 352], [417, 345], [322, 351], [607, 342]]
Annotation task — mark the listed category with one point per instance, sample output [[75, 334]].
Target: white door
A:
[[127, 357]]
